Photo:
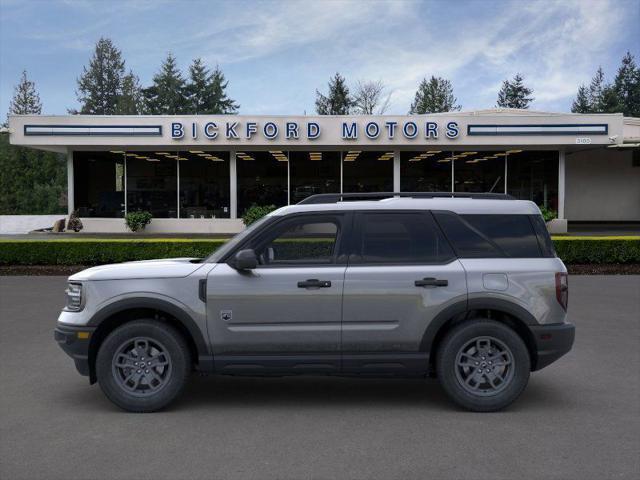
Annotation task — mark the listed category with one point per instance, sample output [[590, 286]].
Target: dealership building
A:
[[198, 174]]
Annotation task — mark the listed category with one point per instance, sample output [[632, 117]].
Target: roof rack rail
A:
[[339, 197]]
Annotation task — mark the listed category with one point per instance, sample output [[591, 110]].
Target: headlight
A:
[[74, 297]]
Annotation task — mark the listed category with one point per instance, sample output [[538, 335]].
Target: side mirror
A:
[[245, 260]]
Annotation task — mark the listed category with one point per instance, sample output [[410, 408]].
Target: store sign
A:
[[349, 130]]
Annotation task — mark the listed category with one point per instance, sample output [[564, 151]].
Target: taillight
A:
[[562, 289]]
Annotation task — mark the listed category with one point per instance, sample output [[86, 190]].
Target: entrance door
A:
[[284, 315], [401, 274]]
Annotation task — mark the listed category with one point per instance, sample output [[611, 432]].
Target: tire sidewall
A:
[[461, 335], [176, 349]]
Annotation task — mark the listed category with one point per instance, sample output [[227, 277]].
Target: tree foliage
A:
[[31, 181], [206, 91], [514, 93], [167, 95], [623, 95], [338, 100], [25, 99], [100, 85], [433, 96], [131, 100], [371, 98]]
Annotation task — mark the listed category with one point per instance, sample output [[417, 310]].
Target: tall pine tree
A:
[[167, 94], [514, 94], [338, 100], [130, 101], [433, 96], [100, 85], [206, 92], [25, 99], [627, 86], [581, 104]]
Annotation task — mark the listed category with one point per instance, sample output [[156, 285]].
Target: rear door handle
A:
[[314, 283], [431, 282]]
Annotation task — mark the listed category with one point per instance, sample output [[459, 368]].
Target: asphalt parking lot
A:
[[578, 418]]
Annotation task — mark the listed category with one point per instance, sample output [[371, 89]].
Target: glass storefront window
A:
[[204, 184], [152, 183], [99, 184], [365, 171], [533, 175], [425, 171], [479, 171], [312, 173], [262, 179]]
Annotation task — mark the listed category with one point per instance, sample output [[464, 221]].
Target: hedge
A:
[[572, 250]]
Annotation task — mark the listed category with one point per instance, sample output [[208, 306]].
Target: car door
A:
[[284, 315], [402, 273]]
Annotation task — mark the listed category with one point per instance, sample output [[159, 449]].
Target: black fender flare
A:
[[175, 311], [465, 306]]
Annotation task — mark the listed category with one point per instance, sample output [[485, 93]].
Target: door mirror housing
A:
[[245, 260]]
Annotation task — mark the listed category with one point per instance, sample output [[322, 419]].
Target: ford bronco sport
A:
[[465, 287]]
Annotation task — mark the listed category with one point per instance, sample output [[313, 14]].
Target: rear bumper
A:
[[552, 342], [75, 343]]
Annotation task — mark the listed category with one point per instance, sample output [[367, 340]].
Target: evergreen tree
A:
[[25, 99], [627, 86], [433, 96], [596, 91], [219, 102], [206, 91], [130, 101], [581, 104], [167, 95], [338, 101], [100, 85], [514, 94]]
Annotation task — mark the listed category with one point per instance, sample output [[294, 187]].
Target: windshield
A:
[[235, 241]]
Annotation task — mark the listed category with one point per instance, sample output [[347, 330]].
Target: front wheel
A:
[[483, 365], [143, 365]]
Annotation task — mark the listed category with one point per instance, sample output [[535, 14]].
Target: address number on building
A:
[[583, 141]]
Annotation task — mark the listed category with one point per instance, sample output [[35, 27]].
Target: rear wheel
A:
[[143, 365], [483, 365]]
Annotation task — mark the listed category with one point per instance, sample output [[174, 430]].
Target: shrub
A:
[[75, 251], [137, 220], [74, 223], [547, 213], [256, 212]]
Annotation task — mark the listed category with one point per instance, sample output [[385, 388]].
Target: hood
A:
[[165, 268]]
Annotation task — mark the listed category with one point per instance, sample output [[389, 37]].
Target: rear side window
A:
[[492, 236], [400, 238], [544, 239]]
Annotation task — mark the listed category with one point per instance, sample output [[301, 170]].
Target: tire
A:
[[138, 385], [483, 365]]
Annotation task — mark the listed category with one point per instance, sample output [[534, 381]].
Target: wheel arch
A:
[[509, 313], [120, 312]]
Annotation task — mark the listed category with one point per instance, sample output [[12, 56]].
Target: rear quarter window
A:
[[490, 236]]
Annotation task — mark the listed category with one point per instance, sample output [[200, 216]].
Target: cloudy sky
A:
[[276, 53]]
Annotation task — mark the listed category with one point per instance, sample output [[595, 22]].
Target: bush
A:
[[74, 251], [74, 223], [256, 212], [137, 220], [547, 213], [88, 252]]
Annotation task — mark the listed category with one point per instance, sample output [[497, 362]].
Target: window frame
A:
[[343, 220], [358, 231]]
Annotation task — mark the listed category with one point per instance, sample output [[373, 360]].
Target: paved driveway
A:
[[579, 418]]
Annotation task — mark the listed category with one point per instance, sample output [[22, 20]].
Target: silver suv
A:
[[465, 287]]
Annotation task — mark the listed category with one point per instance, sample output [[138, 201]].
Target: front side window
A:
[[400, 238], [303, 241]]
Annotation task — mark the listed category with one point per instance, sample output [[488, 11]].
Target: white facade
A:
[[594, 173]]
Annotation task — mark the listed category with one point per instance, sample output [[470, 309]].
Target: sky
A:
[[275, 54]]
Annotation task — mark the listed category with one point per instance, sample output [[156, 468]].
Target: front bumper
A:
[[552, 342], [75, 343]]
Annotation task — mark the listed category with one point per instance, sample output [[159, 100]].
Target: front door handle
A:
[[431, 282], [314, 283]]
